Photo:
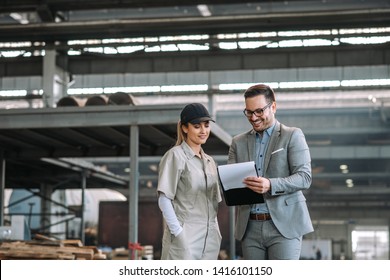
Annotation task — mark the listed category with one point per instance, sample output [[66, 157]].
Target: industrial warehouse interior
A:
[[91, 92]]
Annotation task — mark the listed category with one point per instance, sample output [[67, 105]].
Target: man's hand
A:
[[258, 184]]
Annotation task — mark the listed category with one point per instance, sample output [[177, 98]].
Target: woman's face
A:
[[197, 134]]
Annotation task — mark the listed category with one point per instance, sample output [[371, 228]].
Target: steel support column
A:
[[133, 192], [83, 188], [2, 188]]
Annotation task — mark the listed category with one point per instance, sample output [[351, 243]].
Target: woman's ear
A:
[[184, 128]]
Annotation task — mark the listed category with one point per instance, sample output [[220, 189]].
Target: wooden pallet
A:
[[49, 249]]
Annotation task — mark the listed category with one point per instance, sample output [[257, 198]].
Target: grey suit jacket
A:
[[287, 165]]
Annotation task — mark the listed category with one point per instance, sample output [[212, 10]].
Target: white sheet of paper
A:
[[232, 175]]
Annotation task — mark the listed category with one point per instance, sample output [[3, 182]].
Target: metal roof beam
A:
[[351, 152], [117, 28], [94, 116]]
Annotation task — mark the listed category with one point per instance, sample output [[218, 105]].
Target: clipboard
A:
[[234, 191]]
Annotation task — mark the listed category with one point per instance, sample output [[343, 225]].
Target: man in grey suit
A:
[[273, 229]]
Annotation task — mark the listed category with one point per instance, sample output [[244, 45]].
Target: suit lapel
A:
[[251, 145], [272, 143]]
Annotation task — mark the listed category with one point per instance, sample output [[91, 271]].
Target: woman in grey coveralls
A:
[[189, 192]]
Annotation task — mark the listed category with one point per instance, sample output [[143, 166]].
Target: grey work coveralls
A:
[[192, 185]]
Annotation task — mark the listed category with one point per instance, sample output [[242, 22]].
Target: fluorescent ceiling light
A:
[[204, 10], [11, 93]]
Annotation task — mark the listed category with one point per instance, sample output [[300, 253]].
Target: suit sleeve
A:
[[294, 168]]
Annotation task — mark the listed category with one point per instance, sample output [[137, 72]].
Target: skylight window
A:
[[233, 41]]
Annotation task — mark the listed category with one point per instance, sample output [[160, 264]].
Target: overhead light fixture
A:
[[204, 10], [21, 92], [344, 168], [22, 18], [372, 98], [153, 167]]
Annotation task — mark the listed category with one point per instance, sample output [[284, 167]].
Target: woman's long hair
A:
[[181, 136]]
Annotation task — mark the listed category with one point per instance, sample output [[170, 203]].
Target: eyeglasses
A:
[[258, 112]]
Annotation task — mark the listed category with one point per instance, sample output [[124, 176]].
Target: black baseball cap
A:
[[194, 113]]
